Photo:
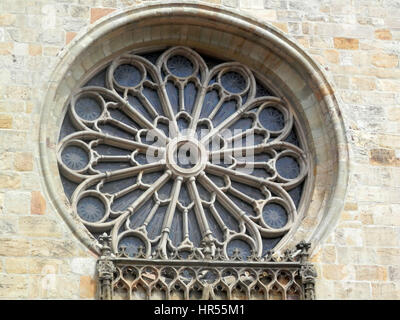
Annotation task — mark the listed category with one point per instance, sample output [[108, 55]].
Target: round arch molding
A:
[[219, 32]]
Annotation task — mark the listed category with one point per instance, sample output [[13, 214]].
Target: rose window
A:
[[173, 152]]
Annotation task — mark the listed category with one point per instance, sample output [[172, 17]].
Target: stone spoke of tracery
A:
[[174, 153]]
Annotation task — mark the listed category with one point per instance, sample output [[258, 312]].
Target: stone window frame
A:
[[211, 29]]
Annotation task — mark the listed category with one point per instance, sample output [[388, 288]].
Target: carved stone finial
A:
[[303, 247], [308, 275], [105, 268], [219, 255], [253, 256], [122, 252], [141, 254], [236, 255], [105, 242]]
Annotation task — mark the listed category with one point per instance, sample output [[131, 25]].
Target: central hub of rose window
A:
[[186, 156]]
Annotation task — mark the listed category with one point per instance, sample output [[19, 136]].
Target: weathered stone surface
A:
[[38, 203], [54, 248], [348, 290], [87, 287], [383, 34], [17, 247], [23, 161], [383, 157], [14, 286], [384, 291], [337, 272], [17, 202], [35, 49], [346, 43], [97, 13], [383, 60], [6, 121], [38, 226], [371, 273], [27, 265]]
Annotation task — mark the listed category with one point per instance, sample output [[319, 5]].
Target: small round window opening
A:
[[173, 151]]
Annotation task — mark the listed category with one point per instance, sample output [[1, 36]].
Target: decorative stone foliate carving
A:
[[105, 269], [232, 192], [187, 276]]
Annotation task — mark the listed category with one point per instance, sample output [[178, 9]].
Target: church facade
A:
[[90, 209]]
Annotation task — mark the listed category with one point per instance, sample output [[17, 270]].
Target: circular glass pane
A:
[[274, 215], [180, 66], [272, 119], [288, 167], [127, 75], [91, 209], [233, 82], [75, 157], [88, 109]]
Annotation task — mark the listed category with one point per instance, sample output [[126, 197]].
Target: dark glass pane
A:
[[154, 227], [292, 138], [239, 246], [151, 56], [227, 217], [180, 66], [69, 187], [136, 104], [138, 218], [131, 245], [75, 157], [247, 208], [66, 128], [165, 191], [274, 215], [203, 193], [176, 234], [91, 209], [116, 132], [127, 75], [183, 124], [269, 244], [252, 192], [272, 119], [288, 167], [296, 193], [194, 229], [210, 101], [126, 200], [217, 232], [190, 92], [153, 98], [242, 124], [150, 178], [262, 91], [227, 109], [88, 108], [104, 149], [233, 82], [218, 181], [122, 117], [211, 62], [118, 185], [184, 197], [173, 95], [98, 80]]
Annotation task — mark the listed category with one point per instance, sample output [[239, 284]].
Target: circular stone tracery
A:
[[153, 144]]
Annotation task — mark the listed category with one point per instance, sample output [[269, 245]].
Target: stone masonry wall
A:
[[357, 43]]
